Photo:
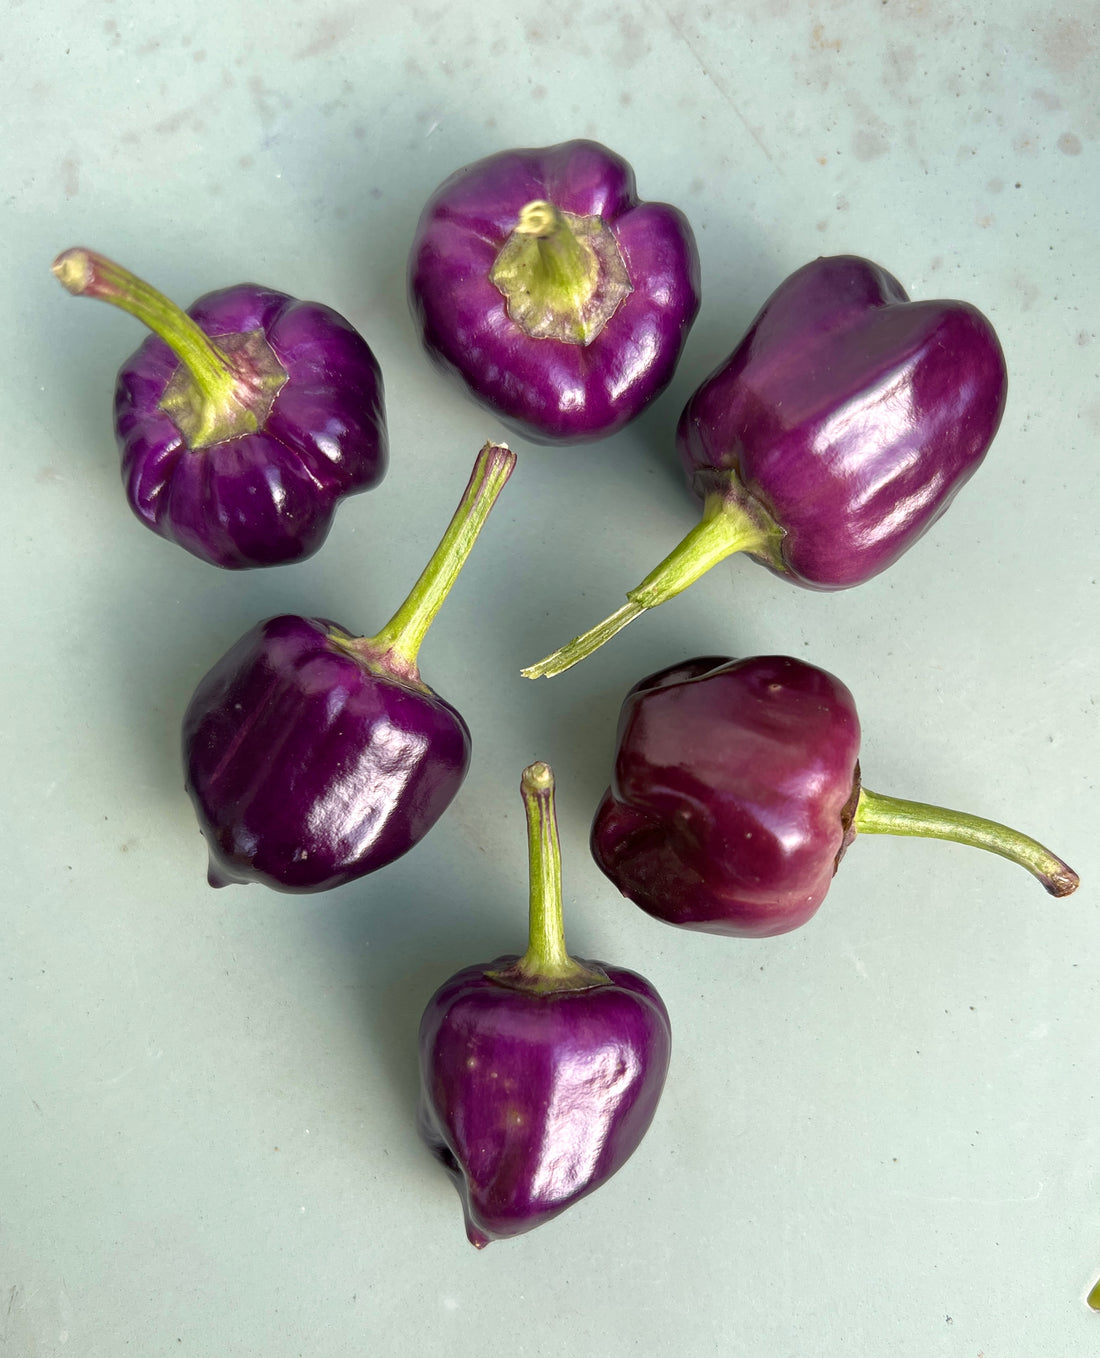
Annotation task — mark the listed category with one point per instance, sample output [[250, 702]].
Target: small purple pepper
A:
[[242, 422], [736, 791], [540, 1074], [561, 302], [835, 435], [314, 757]]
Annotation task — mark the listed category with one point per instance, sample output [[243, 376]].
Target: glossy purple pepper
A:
[[835, 435], [313, 756], [243, 421], [736, 791], [539, 1074], [560, 300]]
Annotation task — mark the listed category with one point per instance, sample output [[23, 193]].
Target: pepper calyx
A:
[[562, 275]]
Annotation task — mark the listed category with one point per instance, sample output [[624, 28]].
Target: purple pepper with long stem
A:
[[736, 791], [314, 756], [561, 301], [539, 1074], [836, 433], [242, 422]]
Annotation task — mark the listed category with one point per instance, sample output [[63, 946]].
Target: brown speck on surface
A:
[[200, 55], [869, 143], [331, 30], [1048, 100], [984, 219], [246, 162], [1066, 44], [626, 98], [634, 42], [821, 42], [995, 186], [1069, 144], [538, 92], [70, 176]]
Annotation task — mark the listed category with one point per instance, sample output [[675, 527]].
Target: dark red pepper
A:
[[736, 791]]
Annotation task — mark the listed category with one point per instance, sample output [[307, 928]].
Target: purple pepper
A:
[[835, 434], [561, 302], [243, 422], [314, 757], [736, 791], [540, 1074]]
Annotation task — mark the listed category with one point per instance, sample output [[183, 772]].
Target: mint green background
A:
[[879, 1134]]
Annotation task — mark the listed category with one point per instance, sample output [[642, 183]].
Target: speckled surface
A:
[[879, 1133]]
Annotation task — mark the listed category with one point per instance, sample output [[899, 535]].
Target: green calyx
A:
[[545, 966], [879, 815], [222, 389], [731, 523], [394, 650], [562, 276]]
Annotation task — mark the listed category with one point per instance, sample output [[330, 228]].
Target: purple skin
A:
[[307, 767], [539, 1074], [242, 459], [834, 436], [314, 757], [848, 415], [736, 791], [553, 387]]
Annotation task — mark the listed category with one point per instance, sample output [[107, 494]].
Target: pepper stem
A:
[[563, 261], [879, 815], [85, 273], [401, 638], [223, 399], [725, 528], [545, 965]]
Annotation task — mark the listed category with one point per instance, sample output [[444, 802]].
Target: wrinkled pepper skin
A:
[[532, 1101], [850, 415], [268, 497], [732, 795], [549, 389], [306, 767]]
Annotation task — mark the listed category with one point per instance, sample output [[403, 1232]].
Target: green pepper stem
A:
[[564, 265], [725, 528], [880, 815], [401, 638], [85, 273], [546, 965], [546, 954]]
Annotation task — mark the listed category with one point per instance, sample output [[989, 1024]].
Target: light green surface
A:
[[879, 1134]]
